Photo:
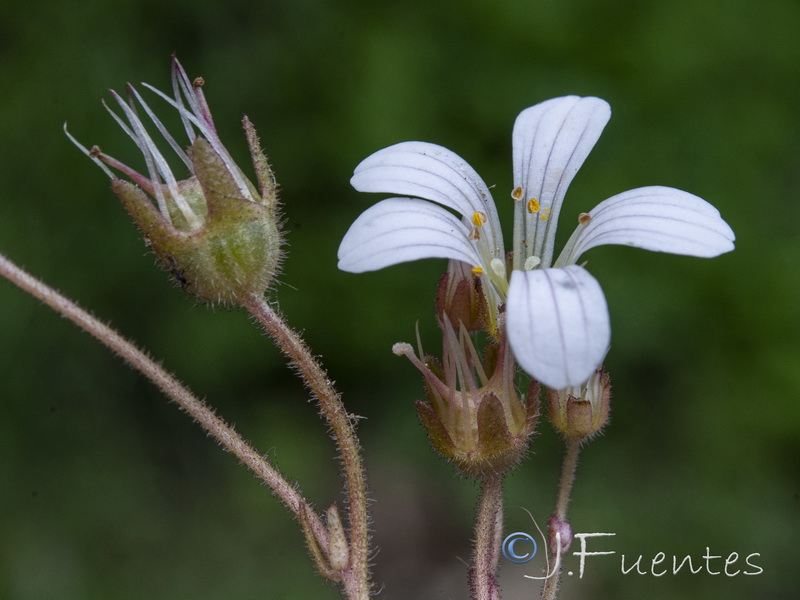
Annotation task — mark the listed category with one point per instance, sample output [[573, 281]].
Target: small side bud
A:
[[338, 550], [560, 535], [317, 548], [580, 412], [459, 297]]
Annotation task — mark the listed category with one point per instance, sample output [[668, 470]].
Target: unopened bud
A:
[[560, 535], [459, 297], [338, 551]]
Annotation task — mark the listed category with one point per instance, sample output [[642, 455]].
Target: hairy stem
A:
[[356, 576], [488, 535], [559, 519], [199, 411]]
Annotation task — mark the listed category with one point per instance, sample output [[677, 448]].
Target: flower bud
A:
[[560, 535], [338, 551], [213, 231], [580, 412], [459, 297]]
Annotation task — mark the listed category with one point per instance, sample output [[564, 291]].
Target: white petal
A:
[[550, 142], [654, 218], [557, 324], [434, 173], [399, 230]]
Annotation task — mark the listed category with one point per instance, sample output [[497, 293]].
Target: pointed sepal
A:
[[141, 209], [267, 184], [437, 433], [317, 548]]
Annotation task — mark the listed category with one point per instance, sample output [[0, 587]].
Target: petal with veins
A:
[[551, 140], [434, 173], [399, 230], [656, 218], [557, 324]]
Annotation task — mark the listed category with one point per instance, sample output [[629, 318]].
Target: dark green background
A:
[[107, 491]]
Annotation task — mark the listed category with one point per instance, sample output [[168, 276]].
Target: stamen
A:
[[474, 234], [464, 378], [402, 349], [516, 194], [498, 267], [584, 219], [139, 179], [206, 127], [477, 270], [161, 128], [419, 340], [176, 89], [93, 153], [438, 387], [185, 86], [149, 151], [478, 219], [531, 263], [473, 360], [122, 123], [198, 84], [533, 205], [545, 213]]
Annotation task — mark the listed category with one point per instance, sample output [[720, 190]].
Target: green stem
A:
[[356, 577], [552, 584], [172, 388]]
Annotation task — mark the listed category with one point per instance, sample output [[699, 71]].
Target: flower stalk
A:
[[579, 413], [488, 537], [558, 521], [220, 238], [173, 389], [355, 577]]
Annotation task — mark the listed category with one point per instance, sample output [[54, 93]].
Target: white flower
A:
[[556, 315]]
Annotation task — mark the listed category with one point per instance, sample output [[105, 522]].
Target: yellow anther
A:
[[478, 218], [545, 213], [477, 270], [584, 219], [533, 205], [516, 194]]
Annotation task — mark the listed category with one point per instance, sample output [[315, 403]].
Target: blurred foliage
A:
[[108, 491]]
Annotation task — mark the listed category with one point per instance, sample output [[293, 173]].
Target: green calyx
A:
[[235, 251], [581, 412], [485, 434]]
